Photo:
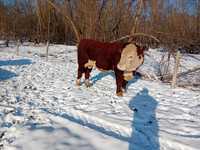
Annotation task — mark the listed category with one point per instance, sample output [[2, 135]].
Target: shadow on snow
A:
[[4, 74], [145, 129], [67, 140], [101, 75], [145, 125], [17, 62], [90, 125]]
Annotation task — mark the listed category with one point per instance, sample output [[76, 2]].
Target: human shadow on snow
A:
[[145, 127]]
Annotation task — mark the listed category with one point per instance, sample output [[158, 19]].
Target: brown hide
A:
[[105, 56]]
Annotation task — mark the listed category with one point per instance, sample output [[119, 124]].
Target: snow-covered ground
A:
[[42, 108]]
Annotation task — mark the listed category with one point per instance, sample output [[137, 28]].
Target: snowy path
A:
[[64, 134], [151, 116]]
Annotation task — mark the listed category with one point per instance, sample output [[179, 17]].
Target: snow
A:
[[154, 64], [42, 108]]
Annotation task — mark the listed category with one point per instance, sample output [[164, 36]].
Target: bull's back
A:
[[104, 53]]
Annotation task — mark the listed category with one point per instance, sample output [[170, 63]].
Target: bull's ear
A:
[[141, 49], [144, 48]]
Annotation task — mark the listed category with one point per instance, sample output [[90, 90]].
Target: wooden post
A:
[[17, 48], [47, 50], [48, 33], [176, 67], [7, 43]]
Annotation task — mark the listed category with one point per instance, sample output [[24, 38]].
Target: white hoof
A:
[[78, 82], [87, 83]]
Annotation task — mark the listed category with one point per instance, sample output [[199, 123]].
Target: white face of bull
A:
[[129, 61]]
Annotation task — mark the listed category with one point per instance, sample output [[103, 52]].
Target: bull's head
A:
[[132, 57]]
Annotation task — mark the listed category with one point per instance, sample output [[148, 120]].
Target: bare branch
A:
[[169, 77], [137, 16], [68, 19]]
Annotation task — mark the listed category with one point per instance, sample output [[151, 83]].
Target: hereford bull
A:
[[122, 58]]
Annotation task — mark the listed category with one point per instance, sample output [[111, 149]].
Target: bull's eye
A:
[[130, 57]]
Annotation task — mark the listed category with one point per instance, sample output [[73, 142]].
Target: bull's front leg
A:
[[79, 75], [119, 82], [124, 84], [87, 76]]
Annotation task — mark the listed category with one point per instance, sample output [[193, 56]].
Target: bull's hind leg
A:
[[80, 73], [87, 76]]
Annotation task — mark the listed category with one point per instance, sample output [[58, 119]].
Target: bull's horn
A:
[[137, 34]]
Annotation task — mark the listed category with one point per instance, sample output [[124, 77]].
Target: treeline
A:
[[174, 22]]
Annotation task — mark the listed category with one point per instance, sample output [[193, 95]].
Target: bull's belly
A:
[[103, 67]]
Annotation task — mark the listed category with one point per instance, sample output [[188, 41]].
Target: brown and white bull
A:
[[123, 59]]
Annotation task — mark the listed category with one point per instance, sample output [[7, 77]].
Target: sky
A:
[[190, 4]]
